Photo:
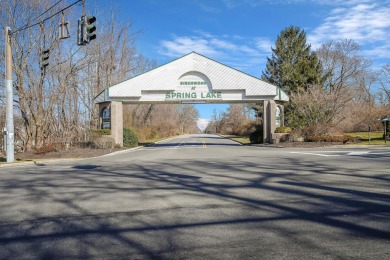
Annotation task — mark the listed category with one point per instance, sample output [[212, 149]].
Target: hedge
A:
[[283, 129], [329, 138], [130, 138], [102, 131]]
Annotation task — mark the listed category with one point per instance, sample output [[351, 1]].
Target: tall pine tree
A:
[[293, 66]]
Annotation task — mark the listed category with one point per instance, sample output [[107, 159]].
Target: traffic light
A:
[[44, 58], [86, 30], [80, 31], [90, 29]]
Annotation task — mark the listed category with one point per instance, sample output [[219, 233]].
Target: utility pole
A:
[[9, 96]]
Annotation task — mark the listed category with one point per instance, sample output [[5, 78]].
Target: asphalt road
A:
[[200, 197]]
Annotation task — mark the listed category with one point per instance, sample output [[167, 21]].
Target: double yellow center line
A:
[[204, 144]]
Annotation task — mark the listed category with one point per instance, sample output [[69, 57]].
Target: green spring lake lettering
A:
[[193, 95]]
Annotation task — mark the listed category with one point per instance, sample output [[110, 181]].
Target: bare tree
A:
[[342, 64], [55, 104], [318, 105], [384, 80], [188, 116], [35, 91], [163, 120], [347, 89], [238, 120]]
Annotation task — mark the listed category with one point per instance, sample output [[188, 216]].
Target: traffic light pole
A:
[[9, 96]]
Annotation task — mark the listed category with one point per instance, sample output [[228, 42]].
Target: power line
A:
[[44, 20], [48, 9]]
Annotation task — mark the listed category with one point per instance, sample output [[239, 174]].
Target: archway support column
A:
[[269, 120], [116, 120], [116, 110]]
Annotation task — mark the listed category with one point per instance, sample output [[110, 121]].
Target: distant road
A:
[[200, 197]]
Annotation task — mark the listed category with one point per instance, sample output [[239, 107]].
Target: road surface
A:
[[200, 197]]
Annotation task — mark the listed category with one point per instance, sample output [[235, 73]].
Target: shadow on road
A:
[[187, 144], [149, 211]]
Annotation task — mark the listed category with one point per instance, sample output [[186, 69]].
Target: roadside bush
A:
[[48, 148], [130, 138], [59, 147], [279, 137], [330, 138], [326, 133], [296, 135], [320, 130], [256, 137], [103, 143], [101, 132], [283, 129]]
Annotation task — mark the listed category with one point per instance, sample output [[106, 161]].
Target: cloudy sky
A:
[[240, 33]]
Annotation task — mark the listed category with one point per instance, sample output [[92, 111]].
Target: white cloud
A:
[[234, 50], [264, 44], [184, 45], [366, 23], [231, 3], [222, 44], [202, 123], [381, 52], [235, 3], [208, 8]]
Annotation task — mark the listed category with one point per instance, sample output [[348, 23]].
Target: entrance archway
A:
[[193, 79]]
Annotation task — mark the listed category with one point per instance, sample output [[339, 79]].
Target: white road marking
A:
[[174, 148], [179, 145], [344, 153], [358, 153], [318, 154]]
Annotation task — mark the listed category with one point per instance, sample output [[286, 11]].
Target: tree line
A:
[[55, 105], [334, 85]]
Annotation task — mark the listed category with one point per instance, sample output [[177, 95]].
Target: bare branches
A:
[[342, 64], [56, 104], [384, 79]]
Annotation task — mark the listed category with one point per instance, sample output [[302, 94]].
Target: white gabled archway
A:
[[192, 78]]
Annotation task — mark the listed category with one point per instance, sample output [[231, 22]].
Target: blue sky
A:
[[240, 33]]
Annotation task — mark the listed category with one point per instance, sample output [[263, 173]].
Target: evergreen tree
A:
[[293, 66]]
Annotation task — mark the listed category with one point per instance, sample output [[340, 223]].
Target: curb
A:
[[118, 152], [38, 162], [55, 160]]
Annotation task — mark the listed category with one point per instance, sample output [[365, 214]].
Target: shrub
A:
[[330, 138], [101, 132], [58, 147], [48, 148], [320, 130], [256, 137], [283, 129], [325, 133], [130, 138], [296, 135], [103, 143]]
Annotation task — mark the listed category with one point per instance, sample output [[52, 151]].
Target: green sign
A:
[[193, 95]]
